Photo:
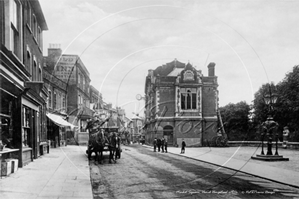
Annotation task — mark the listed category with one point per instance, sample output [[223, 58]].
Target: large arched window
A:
[[188, 98]]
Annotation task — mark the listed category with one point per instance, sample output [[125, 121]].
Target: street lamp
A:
[[270, 126], [270, 99]]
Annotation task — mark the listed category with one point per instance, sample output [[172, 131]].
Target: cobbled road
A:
[[141, 173]]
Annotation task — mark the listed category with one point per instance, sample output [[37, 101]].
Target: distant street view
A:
[[149, 99]]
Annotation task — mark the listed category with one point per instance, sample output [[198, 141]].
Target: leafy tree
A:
[[236, 120], [287, 108]]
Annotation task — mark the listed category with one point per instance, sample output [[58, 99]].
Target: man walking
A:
[[183, 146], [162, 144], [158, 144], [166, 146]]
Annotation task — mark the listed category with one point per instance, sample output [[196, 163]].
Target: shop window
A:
[[6, 137], [6, 119], [188, 98], [26, 127]]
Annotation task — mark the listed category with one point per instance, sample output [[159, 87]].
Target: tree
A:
[[287, 109], [236, 120]]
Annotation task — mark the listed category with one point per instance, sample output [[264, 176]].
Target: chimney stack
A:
[[150, 72], [54, 50], [211, 69]]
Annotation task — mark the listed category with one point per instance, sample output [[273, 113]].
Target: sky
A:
[[252, 42]]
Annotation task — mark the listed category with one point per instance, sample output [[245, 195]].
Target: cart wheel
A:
[[224, 141], [213, 141], [221, 141]]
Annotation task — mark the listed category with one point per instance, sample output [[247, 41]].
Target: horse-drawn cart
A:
[[103, 139]]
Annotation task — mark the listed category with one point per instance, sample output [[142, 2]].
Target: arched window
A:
[[188, 98]]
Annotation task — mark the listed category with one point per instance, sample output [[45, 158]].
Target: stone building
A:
[[71, 70], [137, 124], [57, 126], [181, 103], [23, 96], [96, 99]]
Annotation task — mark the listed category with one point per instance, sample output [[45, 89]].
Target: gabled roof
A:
[[166, 69], [175, 72]]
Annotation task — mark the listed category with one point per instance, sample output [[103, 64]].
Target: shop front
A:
[[57, 129], [21, 128]]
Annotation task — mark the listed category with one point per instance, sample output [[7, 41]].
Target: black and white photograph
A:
[[149, 99]]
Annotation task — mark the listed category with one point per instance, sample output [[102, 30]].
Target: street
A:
[[142, 173]]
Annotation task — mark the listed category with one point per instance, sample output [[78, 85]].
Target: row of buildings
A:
[[45, 100], [50, 97]]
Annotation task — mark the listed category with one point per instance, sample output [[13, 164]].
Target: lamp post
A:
[[269, 128], [270, 125]]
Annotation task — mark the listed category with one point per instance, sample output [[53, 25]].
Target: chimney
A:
[[211, 69], [54, 50], [150, 72]]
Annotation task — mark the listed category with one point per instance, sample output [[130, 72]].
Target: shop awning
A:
[[58, 120]]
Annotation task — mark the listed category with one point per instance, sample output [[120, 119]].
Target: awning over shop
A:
[[58, 120]]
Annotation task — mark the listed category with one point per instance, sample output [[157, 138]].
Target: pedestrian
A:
[[166, 146], [154, 144], [158, 144], [183, 146], [286, 133], [162, 144]]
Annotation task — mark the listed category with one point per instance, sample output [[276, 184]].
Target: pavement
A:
[[64, 172], [239, 159]]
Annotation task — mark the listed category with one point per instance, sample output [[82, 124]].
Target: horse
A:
[[96, 145], [96, 140]]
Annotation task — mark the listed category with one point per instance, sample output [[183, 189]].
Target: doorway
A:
[[168, 134]]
